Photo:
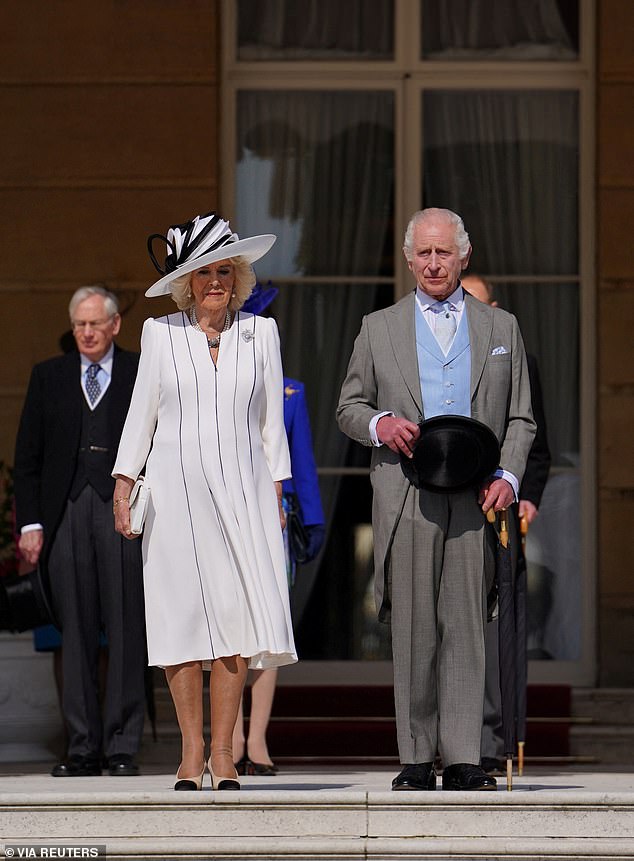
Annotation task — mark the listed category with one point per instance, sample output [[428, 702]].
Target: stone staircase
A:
[[297, 825], [336, 747]]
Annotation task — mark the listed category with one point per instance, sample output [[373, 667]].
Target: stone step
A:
[[610, 706], [610, 734], [330, 823]]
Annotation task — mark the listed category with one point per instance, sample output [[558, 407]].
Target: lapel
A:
[[67, 397], [480, 319], [401, 324], [71, 393]]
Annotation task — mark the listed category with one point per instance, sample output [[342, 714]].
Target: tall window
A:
[[347, 118]]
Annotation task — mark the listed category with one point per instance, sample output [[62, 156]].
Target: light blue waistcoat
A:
[[445, 381]]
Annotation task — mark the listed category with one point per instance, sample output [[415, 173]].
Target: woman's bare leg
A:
[[226, 684], [186, 687], [238, 740], [262, 693]]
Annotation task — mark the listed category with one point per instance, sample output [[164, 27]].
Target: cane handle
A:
[[504, 527]]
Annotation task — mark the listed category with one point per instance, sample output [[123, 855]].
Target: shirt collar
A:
[[105, 362], [455, 299]]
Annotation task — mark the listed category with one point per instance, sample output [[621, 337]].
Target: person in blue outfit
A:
[[301, 491]]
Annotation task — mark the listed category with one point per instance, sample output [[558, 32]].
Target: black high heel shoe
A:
[[241, 766], [248, 767]]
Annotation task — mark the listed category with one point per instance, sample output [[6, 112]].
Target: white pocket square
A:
[[499, 351]]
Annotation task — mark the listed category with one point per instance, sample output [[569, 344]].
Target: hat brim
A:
[[454, 453], [251, 248]]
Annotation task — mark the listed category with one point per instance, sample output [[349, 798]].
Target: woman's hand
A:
[[278, 490], [121, 506]]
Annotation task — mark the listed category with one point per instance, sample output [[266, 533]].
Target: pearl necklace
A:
[[214, 342]]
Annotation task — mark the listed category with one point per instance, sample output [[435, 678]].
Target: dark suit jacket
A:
[[49, 432], [538, 463]]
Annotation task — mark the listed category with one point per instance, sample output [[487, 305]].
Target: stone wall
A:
[[110, 133]]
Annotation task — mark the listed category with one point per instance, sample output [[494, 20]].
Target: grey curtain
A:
[[508, 163], [499, 30], [315, 29]]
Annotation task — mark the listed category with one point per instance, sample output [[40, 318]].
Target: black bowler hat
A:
[[23, 602], [454, 453]]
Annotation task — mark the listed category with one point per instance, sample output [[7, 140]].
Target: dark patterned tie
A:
[[93, 388]]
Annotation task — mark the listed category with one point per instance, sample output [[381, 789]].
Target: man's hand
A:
[[528, 510], [496, 494], [398, 434], [30, 544]]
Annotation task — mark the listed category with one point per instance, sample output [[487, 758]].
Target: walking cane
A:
[[520, 744], [504, 541]]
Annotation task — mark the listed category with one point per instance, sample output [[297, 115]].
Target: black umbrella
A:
[[521, 657], [507, 643]]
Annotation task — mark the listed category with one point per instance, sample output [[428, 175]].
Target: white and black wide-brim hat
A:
[[203, 240]]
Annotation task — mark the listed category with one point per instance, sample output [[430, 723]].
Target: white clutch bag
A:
[[139, 501]]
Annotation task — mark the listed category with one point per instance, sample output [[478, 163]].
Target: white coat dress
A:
[[212, 440]]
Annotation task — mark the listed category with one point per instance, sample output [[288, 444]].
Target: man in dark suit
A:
[[530, 495], [436, 352], [67, 440]]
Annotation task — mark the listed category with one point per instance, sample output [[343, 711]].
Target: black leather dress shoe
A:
[[122, 765], [78, 766], [418, 776], [492, 766], [463, 775]]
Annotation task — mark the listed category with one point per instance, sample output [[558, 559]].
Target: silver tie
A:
[[445, 326], [92, 383]]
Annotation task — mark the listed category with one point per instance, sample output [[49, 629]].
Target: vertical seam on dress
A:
[[255, 367], [180, 448], [239, 465], [251, 395], [248, 423]]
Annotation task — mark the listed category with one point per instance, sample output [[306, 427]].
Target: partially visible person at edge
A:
[[206, 424], [430, 546], [530, 495], [73, 414], [251, 754]]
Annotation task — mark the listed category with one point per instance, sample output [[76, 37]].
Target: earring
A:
[[189, 295], [233, 295]]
